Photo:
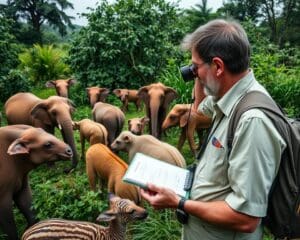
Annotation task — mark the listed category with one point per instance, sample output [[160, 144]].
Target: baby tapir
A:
[[22, 149]]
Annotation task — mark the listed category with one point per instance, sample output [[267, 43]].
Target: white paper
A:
[[145, 169]]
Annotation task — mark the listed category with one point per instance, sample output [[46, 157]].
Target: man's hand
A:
[[160, 197]]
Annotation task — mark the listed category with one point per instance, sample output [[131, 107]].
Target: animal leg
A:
[[191, 140], [23, 201], [7, 221], [82, 141], [92, 176], [181, 139]]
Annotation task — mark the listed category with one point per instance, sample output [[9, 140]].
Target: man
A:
[[229, 195]]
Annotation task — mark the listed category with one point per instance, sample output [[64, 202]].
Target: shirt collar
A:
[[228, 101]]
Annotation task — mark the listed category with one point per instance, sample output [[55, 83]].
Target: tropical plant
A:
[[8, 47], [198, 15], [43, 63], [277, 17], [126, 44], [38, 12]]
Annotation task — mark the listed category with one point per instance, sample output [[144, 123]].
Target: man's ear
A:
[[218, 65]]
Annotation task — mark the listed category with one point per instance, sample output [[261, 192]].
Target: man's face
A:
[[204, 73]]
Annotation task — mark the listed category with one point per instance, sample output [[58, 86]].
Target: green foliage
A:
[[125, 44], [43, 63], [198, 15], [36, 13], [171, 76], [272, 67], [64, 197], [13, 83], [159, 225], [8, 48]]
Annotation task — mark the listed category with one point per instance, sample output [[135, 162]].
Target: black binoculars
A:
[[188, 72]]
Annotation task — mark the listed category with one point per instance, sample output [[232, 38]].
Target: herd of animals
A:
[[28, 141]]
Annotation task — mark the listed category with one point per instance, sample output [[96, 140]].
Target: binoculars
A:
[[188, 72]]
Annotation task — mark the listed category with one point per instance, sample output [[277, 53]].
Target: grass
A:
[[60, 195]]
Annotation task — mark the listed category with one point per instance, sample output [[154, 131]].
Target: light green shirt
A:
[[244, 179]]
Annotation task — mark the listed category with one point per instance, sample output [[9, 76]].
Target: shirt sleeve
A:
[[207, 106], [253, 163]]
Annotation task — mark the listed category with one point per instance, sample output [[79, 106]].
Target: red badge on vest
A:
[[215, 142]]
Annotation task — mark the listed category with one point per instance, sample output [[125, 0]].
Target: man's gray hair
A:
[[220, 38]]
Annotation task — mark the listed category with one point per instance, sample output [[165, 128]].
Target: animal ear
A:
[[87, 90], [129, 121], [145, 120], [127, 139], [17, 147], [71, 104], [40, 111], [183, 120], [103, 94], [50, 84], [143, 93], [71, 81], [75, 125], [170, 95], [117, 92], [106, 216]]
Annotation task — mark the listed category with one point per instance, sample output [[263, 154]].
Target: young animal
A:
[[55, 111], [103, 163], [189, 122], [148, 145], [111, 117], [91, 131], [121, 212], [137, 125], [22, 149], [157, 98], [61, 86], [126, 96], [96, 94]]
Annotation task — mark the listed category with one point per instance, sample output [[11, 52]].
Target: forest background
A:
[[129, 44]]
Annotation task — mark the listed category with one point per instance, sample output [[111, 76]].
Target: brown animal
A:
[[157, 98], [22, 149], [121, 212], [96, 94], [126, 96], [61, 86], [103, 163], [189, 121], [148, 145], [91, 131], [55, 111], [111, 117], [137, 125]]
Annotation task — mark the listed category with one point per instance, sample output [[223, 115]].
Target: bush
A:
[[13, 83], [126, 44], [278, 78], [8, 48], [43, 63]]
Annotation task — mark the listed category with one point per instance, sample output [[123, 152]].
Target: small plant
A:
[[161, 225], [13, 83], [43, 63]]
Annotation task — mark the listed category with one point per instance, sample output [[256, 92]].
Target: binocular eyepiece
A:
[[188, 72]]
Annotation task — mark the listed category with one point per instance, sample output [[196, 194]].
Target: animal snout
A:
[[143, 215], [69, 151], [136, 132]]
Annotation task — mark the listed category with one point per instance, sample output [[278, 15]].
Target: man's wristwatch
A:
[[181, 204], [181, 215]]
